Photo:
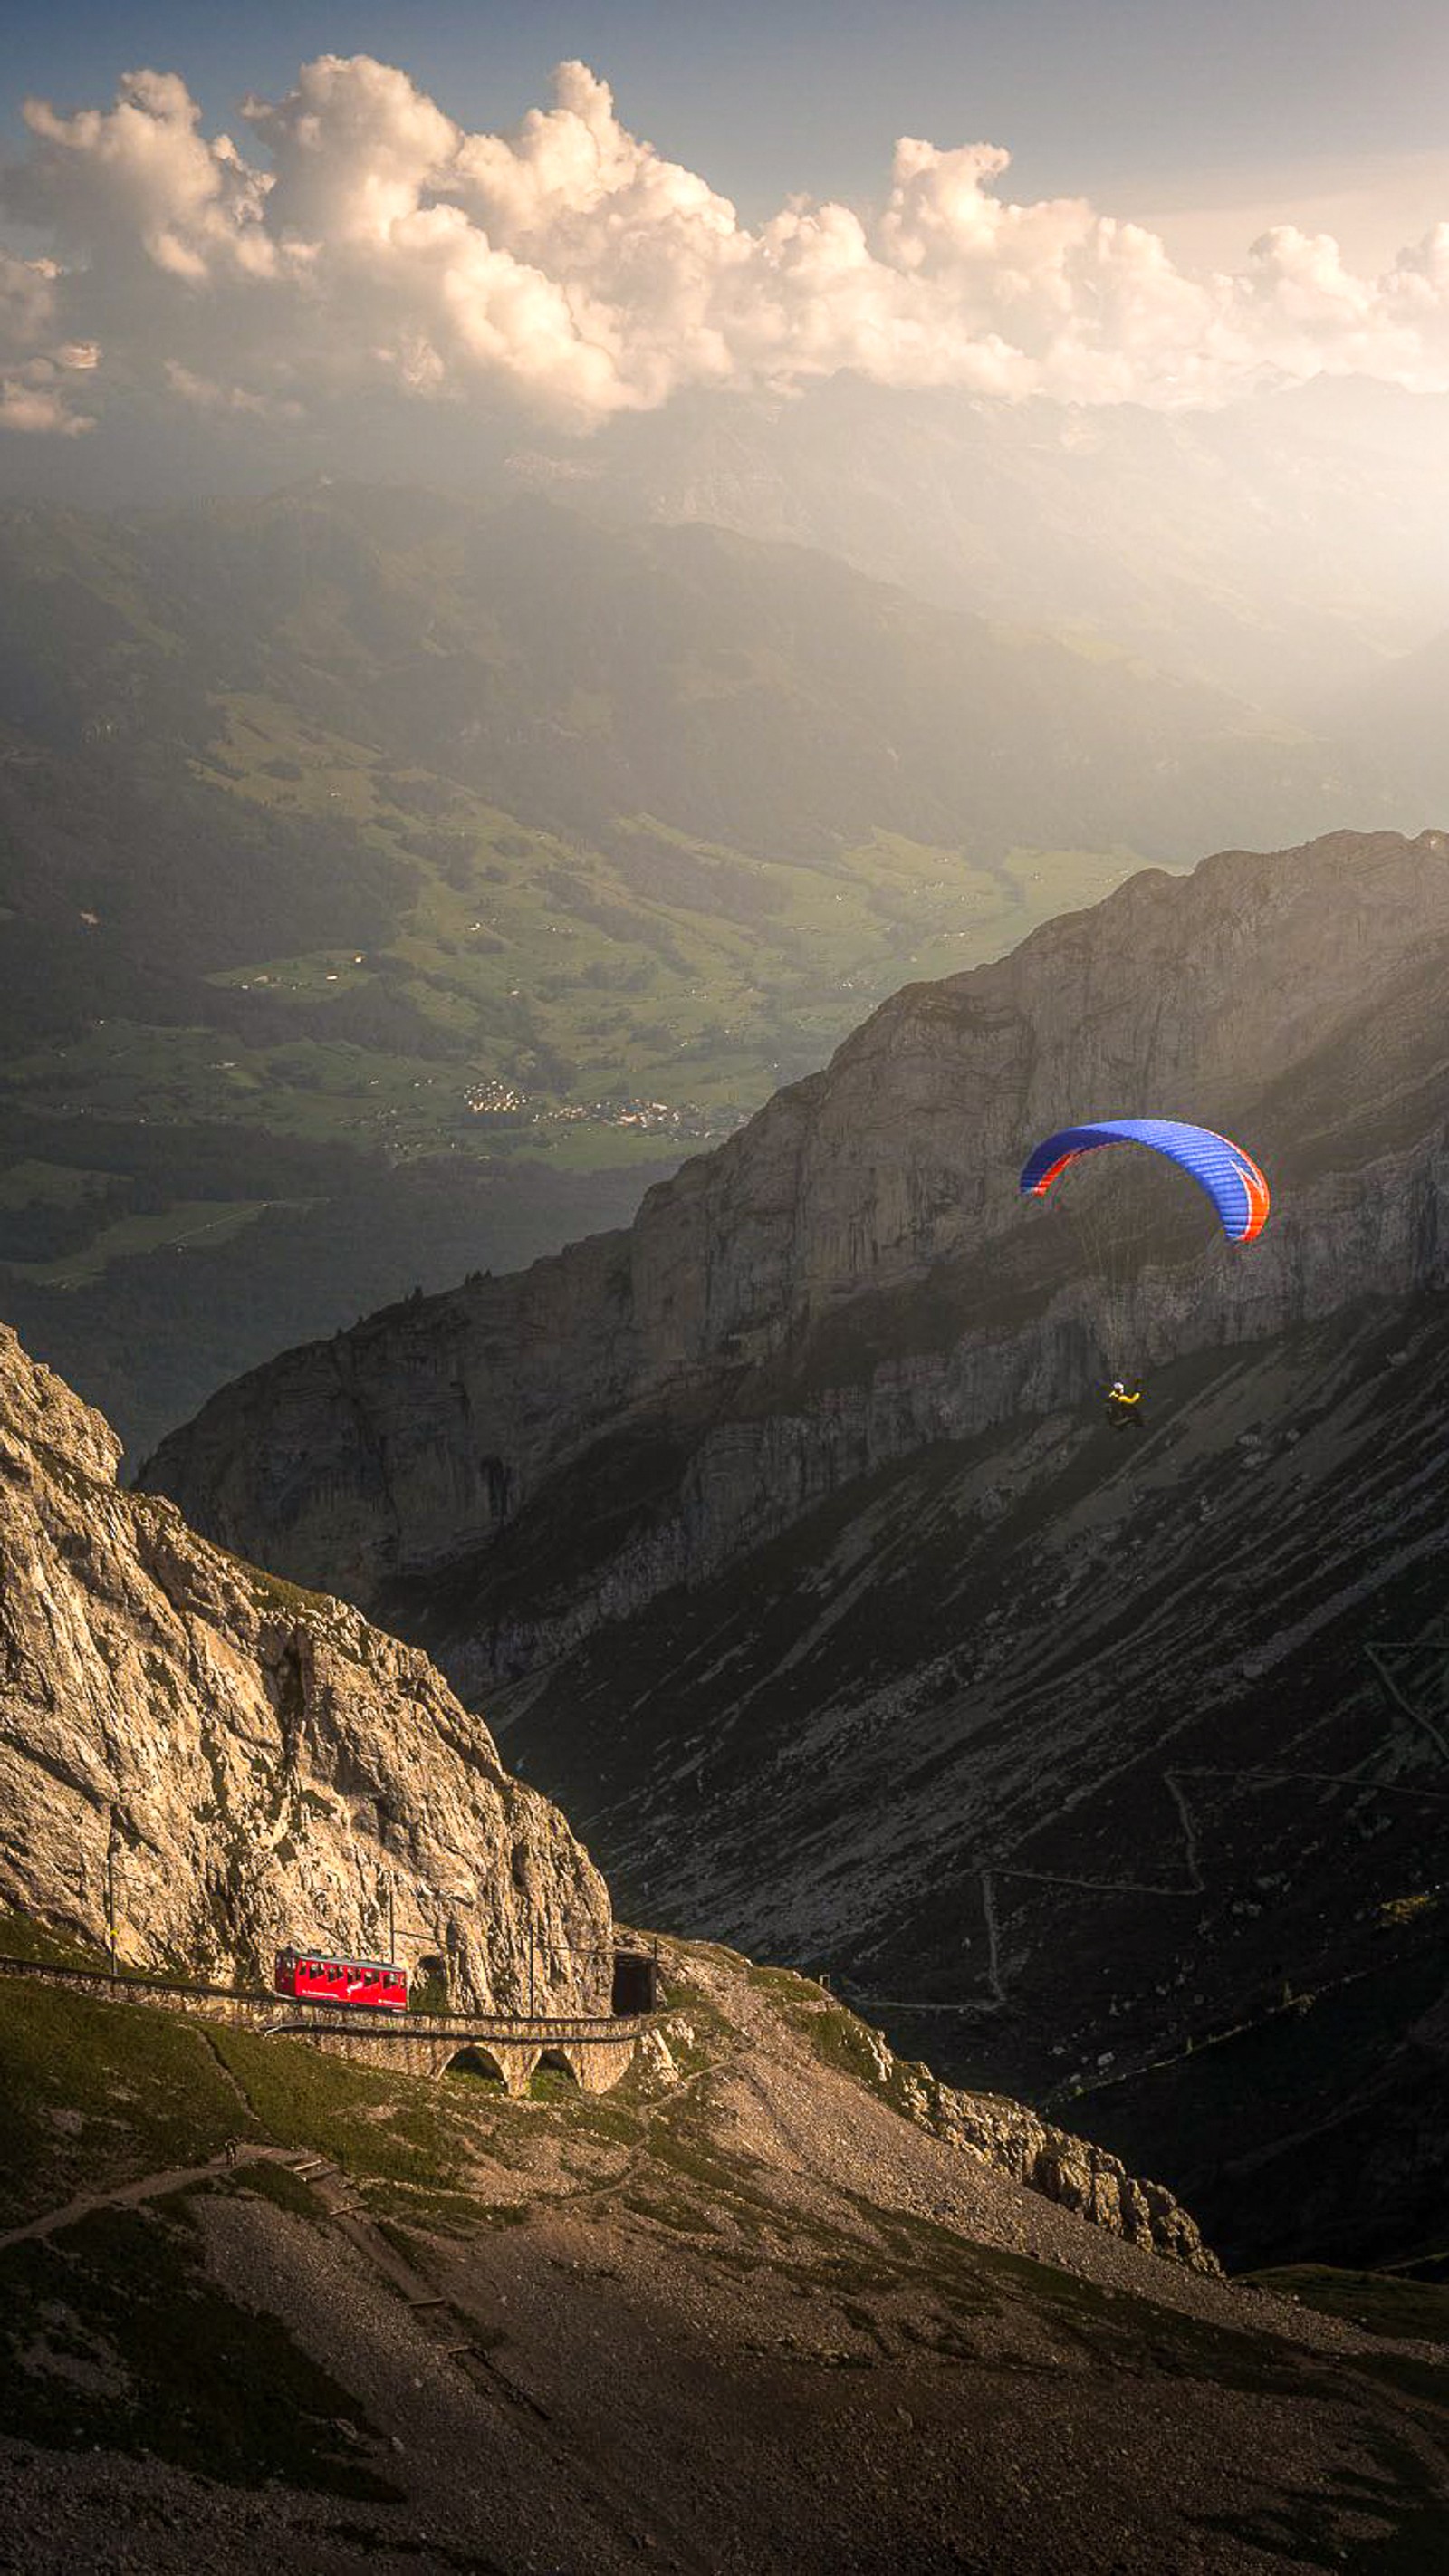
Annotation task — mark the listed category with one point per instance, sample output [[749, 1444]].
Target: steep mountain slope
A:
[[778, 2296], [738, 2317], [1113, 1771], [830, 1604], [216, 1763], [200, 1762]]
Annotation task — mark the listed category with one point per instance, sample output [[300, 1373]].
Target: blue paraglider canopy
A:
[[1230, 1177]]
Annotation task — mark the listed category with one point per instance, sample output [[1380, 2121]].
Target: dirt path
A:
[[153, 2186], [720, 2358], [453, 2332]]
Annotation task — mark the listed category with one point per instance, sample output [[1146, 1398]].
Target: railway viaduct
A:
[[594, 2050]]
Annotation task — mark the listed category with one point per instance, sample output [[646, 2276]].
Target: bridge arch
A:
[[558, 2061], [477, 2064]]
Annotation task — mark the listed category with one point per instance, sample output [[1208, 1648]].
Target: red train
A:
[[314, 1978]]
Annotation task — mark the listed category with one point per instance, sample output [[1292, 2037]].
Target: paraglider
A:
[[1230, 1177], [1223, 1171]]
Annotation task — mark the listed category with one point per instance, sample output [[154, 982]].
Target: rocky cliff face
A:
[[243, 1763], [853, 1277], [1010, 2139]]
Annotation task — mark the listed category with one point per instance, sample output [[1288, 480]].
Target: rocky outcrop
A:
[[233, 1762], [1078, 2176], [853, 1277], [1067, 2170]]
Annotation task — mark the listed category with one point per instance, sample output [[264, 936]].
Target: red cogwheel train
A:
[[314, 1977]]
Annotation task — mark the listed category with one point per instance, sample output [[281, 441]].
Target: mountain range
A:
[[383, 872], [1279, 547]]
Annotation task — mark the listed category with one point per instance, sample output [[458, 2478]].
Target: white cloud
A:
[[27, 302], [374, 245], [203, 393], [141, 174], [35, 363], [33, 400]]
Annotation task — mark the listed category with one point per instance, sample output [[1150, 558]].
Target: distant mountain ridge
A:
[[758, 694], [1275, 547], [1397, 716]]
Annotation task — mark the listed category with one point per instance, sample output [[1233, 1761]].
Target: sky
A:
[[1160, 101], [345, 203]]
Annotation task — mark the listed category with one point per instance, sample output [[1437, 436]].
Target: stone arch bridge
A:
[[594, 2053], [594, 2050]]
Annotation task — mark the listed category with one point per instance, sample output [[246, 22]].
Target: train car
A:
[[313, 1977]]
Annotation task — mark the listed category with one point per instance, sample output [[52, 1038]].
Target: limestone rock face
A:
[[244, 1763], [854, 1277], [1086, 2179]]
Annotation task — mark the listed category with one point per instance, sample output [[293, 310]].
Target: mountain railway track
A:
[[595, 2049]]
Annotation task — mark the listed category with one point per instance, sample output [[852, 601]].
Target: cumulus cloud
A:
[[33, 400], [364, 242], [37, 366]]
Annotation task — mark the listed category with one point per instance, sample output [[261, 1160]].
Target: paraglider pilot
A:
[[1229, 1177]]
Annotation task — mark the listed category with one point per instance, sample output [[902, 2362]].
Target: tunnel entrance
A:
[[636, 1982]]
